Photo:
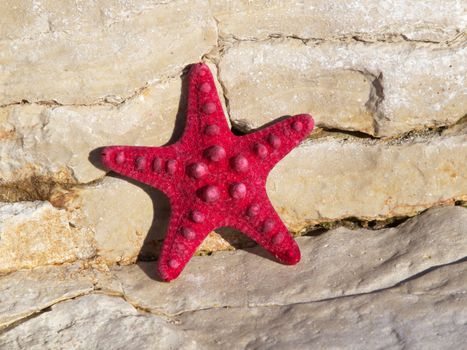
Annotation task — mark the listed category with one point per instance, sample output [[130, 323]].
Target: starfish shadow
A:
[[152, 244]]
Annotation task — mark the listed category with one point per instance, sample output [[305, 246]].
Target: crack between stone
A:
[[388, 38], [172, 317], [106, 101]]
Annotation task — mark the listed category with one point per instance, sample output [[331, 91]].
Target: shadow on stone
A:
[[152, 245]]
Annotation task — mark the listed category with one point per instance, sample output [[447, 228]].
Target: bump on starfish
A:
[[214, 178]]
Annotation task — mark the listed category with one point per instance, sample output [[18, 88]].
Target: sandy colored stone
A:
[[338, 263], [61, 142], [329, 179], [434, 20], [129, 219], [427, 313], [121, 215], [383, 89], [74, 53], [402, 317], [35, 233], [95, 322], [27, 292]]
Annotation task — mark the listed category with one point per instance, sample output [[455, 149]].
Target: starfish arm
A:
[[269, 145], [183, 236], [205, 115], [261, 223], [155, 166]]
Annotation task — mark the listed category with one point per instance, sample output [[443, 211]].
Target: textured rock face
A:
[[342, 178], [363, 289], [36, 233], [351, 86], [77, 54], [316, 19]]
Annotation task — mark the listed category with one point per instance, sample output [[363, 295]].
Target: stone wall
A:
[[384, 81]]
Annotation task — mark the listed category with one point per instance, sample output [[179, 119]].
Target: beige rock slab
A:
[[121, 213], [77, 53], [95, 322], [434, 20], [427, 313], [384, 89], [398, 318], [27, 292], [338, 263], [129, 219], [329, 179], [36, 233], [37, 140]]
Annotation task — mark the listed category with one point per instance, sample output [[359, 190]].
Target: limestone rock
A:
[[329, 179], [363, 289], [434, 20], [121, 215], [35, 233], [394, 319], [350, 86], [24, 293], [338, 263], [61, 142], [129, 219], [95, 322], [107, 51]]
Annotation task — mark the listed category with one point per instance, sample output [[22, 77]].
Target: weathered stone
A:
[[434, 20], [352, 86], [338, 263], [56, 141], [324, 180], [95, 322], [402, 317], [121, 215], [36, 233], [329, 179], [107, 51], [25, 293], [130, 219], [429, 312]]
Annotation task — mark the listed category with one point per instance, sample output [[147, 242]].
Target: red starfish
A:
[[214, 178]]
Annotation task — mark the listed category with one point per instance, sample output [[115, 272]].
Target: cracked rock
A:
[[366, 289], [95, 322], [27, 292], [36, 233], [380, 89], [338, 263], [392, 319], [329, 179], [76, 54], [434, 20], [62, 142]]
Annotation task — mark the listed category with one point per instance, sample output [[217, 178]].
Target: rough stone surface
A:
[[329, 179], [26, 292], [423, 309], [403, 317], [434, 20], [340, 262], [35, 233], [95, 322], [61, 142], [350, 86], [107, 51]]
